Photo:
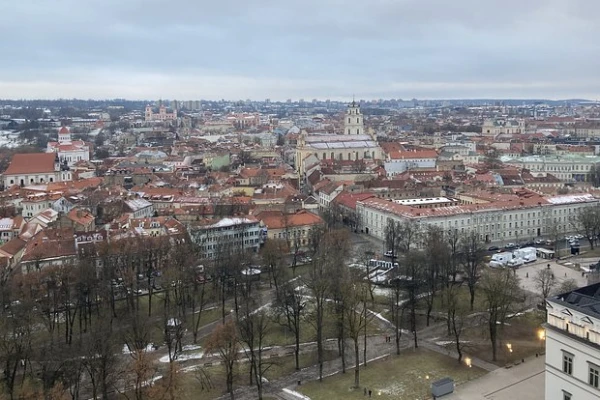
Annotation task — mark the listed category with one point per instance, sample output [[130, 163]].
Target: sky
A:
[[325, 49]]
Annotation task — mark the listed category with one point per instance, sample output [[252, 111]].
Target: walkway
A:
[[524, 382]]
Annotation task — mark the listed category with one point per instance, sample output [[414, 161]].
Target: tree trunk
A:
[[472, 294], [297, 349], [356, 364]]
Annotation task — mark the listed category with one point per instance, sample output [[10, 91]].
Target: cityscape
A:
[[299, 200]]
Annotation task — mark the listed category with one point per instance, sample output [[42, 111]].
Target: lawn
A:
[[520, 332], [279, 367], [407, 376]]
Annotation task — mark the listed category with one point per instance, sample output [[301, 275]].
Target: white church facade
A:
[[68, 150], [352, 145]]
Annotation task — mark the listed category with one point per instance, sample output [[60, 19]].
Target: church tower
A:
[[64, 135], [353, 121]]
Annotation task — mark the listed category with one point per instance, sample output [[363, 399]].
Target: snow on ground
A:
[[183, 357], [191, 347], [149, 348]]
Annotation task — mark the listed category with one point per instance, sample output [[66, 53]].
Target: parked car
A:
[[388, 253], [510, 246], [493, 248], [539, 241]]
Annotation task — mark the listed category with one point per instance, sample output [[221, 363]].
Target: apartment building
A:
[[227, 235], [573, 345], [503, 218], [566, 167]]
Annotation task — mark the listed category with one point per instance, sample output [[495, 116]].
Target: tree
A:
[[253, 326], [224, 341], [331, 250], [473, 254], [414, 267], [457, 313], [587, 222], [437, 254], [290, 305], [501, 293], [544, 283], [566, 286], [356, 318]]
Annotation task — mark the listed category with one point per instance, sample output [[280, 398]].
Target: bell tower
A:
[[353, 120]]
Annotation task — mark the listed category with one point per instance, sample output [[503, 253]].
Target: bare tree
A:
[[587, 222], [473, 254], [290, 305], [501, 293], [544, 283], [457, 312], [224, 341], [356, 320]]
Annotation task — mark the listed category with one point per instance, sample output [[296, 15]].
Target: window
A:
[[568, 363], [566, 395], [594, 375]]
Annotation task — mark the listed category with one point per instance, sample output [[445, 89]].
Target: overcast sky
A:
[[279, 49]]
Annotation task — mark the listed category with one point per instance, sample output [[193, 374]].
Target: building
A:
[[139, 208], [69, 151], [34, 169], [353, 121], [573, 345], [566, 167], [398, 162], [493, 127], [352, 145], [295, 228], [226, 236], [497, 218], [162, 115]]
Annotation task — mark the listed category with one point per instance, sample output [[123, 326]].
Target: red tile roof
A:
[[31, 163], [279, 220]]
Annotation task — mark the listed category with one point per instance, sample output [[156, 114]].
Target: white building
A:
[[566, 167], [139, 208], [68, 150], [353, 121], [353, 145], [228, 235], [35, 168], [398, 162], [573, 345], [511, 218]]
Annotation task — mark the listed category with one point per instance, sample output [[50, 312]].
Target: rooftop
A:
[[31, 163]]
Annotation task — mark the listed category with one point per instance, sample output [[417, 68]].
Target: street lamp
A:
[[510, 350], [468, 362], [542, 336]]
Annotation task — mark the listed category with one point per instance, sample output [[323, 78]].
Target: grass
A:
[[281, 366], [521, 332], [407, 376]]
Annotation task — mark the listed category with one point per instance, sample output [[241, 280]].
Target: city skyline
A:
[[309, 49]]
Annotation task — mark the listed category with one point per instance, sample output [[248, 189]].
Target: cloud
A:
[[291, 49]]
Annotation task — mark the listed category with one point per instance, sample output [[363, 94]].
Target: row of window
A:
[[340, 156], [593, 370]]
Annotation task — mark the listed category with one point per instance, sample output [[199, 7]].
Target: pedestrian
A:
[[527, 275], [365, 392], [370, 392]]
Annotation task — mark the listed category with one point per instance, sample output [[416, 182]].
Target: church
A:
[[68, 150], [353, 144]]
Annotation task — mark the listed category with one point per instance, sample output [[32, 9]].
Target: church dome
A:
[[64, 130]]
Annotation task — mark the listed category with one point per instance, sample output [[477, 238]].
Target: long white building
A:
[[227, 235], [573, 345], [509, 218]]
